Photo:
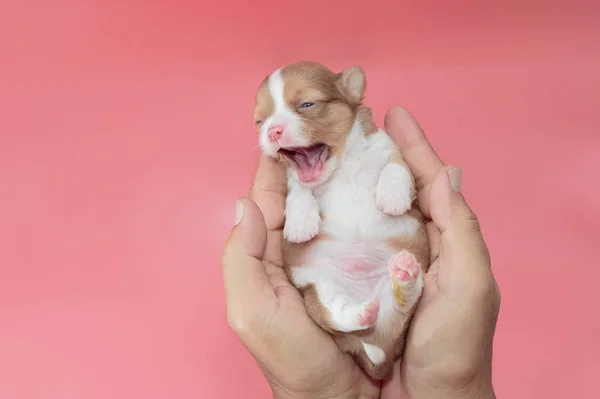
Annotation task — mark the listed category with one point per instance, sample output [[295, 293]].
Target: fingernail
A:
[[455, 176], [239, 211]]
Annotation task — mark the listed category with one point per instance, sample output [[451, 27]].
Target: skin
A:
[[449, 345]]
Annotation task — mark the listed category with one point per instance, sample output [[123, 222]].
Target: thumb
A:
[[244, 274], [461, 239], [249, 235]]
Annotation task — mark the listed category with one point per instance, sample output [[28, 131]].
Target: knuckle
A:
[[497, 296], [238, 324], [464, 217], [470, 219], [244, 326], [487, 290], [267, 188], [465, 370], [229, 251], [474, 225]]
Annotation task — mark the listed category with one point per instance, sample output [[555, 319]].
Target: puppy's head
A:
[[304, 113]]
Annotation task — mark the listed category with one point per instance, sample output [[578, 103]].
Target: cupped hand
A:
[[448, 351], [298, 358]]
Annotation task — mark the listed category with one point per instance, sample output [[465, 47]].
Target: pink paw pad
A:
[[404, 266], [368, 316]]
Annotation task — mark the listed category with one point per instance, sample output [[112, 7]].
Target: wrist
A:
[[480, 389], [474, 392], [280, 393], [479, 392], [486, 393], [476, 389], [439, 394]]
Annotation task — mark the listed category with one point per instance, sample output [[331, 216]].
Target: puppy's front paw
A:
[[301, 226], [395, 190]]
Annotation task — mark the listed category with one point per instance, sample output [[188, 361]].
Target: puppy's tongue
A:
[[308, 161]]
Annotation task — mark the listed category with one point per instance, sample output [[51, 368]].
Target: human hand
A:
[[448, 352], [298, 358]]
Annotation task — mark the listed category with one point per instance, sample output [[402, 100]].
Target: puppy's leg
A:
[[345, 313], [395, 189], [407, 280], [302, 219], [399, 300]]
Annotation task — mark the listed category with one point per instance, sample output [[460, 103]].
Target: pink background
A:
[[126, 134]]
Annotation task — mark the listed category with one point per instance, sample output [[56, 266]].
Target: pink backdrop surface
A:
[[126, 135]]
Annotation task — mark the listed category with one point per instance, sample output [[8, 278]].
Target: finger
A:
[[449, 208], [461, 238], [418, 154], [244, 275], [433, 235], [392, 387], [416, 150], [269, 190]]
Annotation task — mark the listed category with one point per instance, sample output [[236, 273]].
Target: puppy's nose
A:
[[275, 133]]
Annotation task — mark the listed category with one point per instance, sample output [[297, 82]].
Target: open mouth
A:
[[308, 161]]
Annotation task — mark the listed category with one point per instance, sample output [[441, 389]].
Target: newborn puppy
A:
[[354, 245]]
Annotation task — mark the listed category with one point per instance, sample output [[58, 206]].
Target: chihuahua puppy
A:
[[355, 245]]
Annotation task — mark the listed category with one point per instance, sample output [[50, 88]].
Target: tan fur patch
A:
[[317, 311], [416, 244], [365, 117], [331, 117], [294, 254]]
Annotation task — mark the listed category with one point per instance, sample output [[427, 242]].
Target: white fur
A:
[[282, 116], [358, 229], [344, 310], [301, 212], [395, 190], [375, 353]]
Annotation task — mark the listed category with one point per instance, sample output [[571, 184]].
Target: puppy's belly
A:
[[357, 268]]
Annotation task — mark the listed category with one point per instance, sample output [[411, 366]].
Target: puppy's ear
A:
[[352, 83]]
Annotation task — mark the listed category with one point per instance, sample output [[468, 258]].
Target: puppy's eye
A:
[[307, 105], [258, 122]]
